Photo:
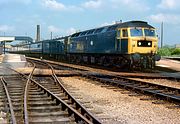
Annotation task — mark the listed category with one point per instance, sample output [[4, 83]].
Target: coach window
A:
[[124, 33]]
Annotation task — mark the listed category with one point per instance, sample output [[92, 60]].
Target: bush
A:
[[164, 51], [168, 51], [176, 51]]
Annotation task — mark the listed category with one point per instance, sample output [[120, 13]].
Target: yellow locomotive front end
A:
[[142, 40], [142, 44]]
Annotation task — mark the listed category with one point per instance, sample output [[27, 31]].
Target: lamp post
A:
[[4, 47], [162, 31], [51, 35]]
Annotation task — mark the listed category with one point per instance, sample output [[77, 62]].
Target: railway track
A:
[[24, 100], [7, 111], [50, 102], [158, 91], [4, 108], [42, 109], [55, 85], [61, 66], [15, 90]]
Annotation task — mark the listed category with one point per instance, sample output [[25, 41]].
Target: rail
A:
[[85, 70], [64, 106], [13, 118], [26, 121], [159, 91], [78, 106], [71, 111]]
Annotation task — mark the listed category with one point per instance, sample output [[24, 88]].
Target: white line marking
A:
[[175, 61], [163, 65]]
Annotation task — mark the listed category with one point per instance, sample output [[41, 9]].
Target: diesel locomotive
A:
[[130, 44]]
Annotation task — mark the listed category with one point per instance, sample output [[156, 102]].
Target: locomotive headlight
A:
[[149, 44], [139, 43]]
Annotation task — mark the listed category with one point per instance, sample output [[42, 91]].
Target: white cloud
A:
[[6, 28], [167, 18], [169, 4], [71, 31], [58, 6], [53, 4], [53, 29], [92, 4], [135, 5], [106, 23]]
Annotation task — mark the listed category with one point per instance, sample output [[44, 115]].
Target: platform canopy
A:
[[7, 39], [13, 38]]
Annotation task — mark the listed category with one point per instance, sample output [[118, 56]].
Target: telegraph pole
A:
[[162, 32], [4, 47], [51, 36]]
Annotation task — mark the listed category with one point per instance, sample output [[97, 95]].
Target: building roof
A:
[[13, 38]]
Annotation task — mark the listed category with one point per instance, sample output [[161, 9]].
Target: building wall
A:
[[177, 46], [1, 49]]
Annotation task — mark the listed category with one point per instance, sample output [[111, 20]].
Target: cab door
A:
[[122, 41], [118, 41]]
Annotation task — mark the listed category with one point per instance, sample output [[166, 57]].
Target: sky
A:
[[64, 17]]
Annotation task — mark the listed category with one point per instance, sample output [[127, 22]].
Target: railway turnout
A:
[[156, 90], [32, 97], [30, 101]]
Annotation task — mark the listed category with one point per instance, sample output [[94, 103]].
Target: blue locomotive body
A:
[[130, 44], [95, 41]]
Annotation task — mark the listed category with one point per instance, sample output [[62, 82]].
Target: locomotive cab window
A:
[[136, 32], [149, 32], [124, 33]]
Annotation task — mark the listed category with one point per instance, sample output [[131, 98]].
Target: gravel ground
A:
[[164, 82], [3, 118], [1, 58], [116, 107], [172, 64]]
